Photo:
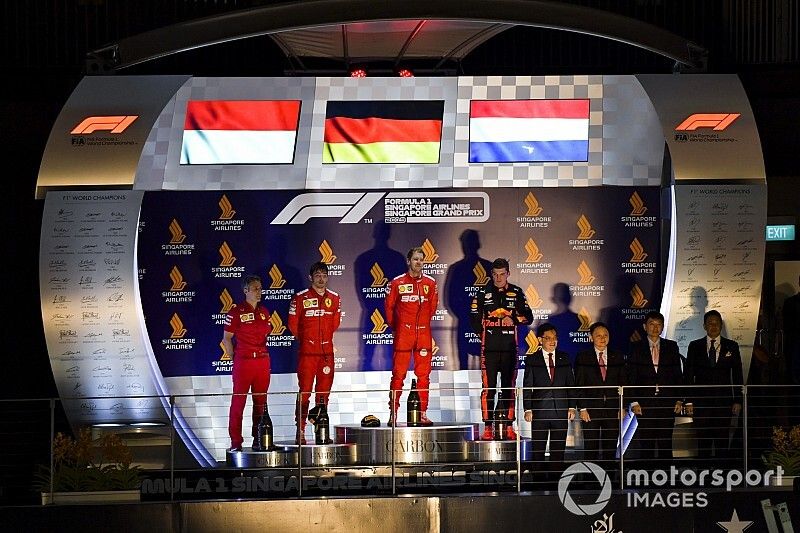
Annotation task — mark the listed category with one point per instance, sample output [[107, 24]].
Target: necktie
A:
[[602, 366], [552, 368], [712, 352], [655, 356]]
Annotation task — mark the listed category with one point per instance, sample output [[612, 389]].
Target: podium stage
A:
[[401, 444]]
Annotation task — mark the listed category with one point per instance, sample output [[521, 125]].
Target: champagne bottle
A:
[[322, 431], [500, 424], [414, 406], [264, 435]]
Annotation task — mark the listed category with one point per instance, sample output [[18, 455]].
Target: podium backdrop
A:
[[597, 189]]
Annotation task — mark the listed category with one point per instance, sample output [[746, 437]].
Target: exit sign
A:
[[780, 233]]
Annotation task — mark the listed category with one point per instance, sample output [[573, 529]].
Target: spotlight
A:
[[358, 72], [405, 73]]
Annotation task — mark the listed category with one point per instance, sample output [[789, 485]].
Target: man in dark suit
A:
[[713, 360], [791, 334], [653, 363], [599, 407], [548, 410]]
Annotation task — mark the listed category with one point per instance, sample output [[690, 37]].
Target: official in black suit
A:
[[652, 363], [599, 408], [791, 335], [713, 360], [548, 410]]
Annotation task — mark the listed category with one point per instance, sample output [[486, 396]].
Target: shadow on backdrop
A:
[[472, 271], [287, 276], [566, 320], [374, 268]]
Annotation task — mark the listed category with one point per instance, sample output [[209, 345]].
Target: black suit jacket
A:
[[642, 373], [587, 374], [537, 375], [701, 370]]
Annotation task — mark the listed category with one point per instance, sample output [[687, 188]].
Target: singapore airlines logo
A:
[[639, 255], [534, 209], [225, 356], [277, 324], [637, 204], [639, 300], [635, 337], [586, 231], [277, 278], [178, 331], [177, 237], [434, 348], [533, 252], [430, 252], [585, 319], [176, 232], [378, 277], [226, 208], [533, 296], [378, 324], [585, 273], [227, 255], [326, 252], [226, 300], [177, 280], [532, 342], [481, 277]]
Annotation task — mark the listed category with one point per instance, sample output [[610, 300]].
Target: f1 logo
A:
[[112, 124], [715, 121], [350, 207], [353, 207]]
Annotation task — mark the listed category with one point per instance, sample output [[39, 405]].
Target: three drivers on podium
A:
[[553, 394]]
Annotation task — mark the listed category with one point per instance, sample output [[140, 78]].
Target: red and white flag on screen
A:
[[251, 132]]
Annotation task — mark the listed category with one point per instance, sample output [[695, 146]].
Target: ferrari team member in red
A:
[[314, 315], [411, 302], [245, 336]]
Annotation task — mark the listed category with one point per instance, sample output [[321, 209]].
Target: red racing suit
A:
[[313, 319], [251, 370], [410, 305]]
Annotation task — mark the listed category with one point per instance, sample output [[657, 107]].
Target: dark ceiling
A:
[[57, 34]]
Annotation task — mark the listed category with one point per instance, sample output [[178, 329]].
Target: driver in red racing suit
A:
[[314, 315], [411, 302]]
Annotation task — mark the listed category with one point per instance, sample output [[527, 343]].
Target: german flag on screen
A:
[[388, 131]]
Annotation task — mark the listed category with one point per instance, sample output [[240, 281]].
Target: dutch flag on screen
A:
[[529, 131]]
